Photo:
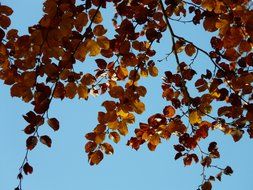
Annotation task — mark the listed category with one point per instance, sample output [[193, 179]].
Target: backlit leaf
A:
[[194, 117]]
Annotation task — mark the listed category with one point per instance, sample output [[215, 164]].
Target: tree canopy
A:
[[39, 67]]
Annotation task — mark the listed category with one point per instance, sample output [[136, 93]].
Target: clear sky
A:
[[65, 165]]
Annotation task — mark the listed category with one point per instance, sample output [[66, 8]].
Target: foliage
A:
[[38, 67]]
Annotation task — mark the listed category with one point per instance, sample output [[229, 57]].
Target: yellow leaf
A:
[[215, 94], [113, 125], [122, 114], [93, 47], [144, 72], [194, 117], [130, 118]]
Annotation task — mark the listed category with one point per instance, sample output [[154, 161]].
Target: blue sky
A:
[[65, 165]]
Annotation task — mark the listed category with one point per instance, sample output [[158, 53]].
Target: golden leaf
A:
[[139, 107], [93, 47], [194, 117]]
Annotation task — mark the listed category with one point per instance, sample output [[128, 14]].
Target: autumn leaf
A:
[[81, 21], [139, 107], [53, 123], [4, 21], [96, 157], [82, 92], [114, 136], [155, 139], [190, 49], [108, 149], [99, 30], [27, 168], [96, 16], [237, 134], [81, 52], [228, 170], [123, 129], [153, 71], [206, 186], [194, 117], [90, 146], [103, 42], [169, 111], [5, 10], [46, 140], [211, 89], [93, 47], [31, 142]]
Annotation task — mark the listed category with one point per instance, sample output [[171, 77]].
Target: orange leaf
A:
[[114, 136], [96, 157], [169, 111]]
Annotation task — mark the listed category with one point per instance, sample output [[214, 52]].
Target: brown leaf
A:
[[99, 30], [53, 123], [237, 134], [187, 160], [4, 21], [190, 49], [108, 149], [114, 136], [228, 170], [6, 10], [82, 92], [206, 186], [90, 146], [96, 16], [169, 111], [31, 142], [46, 140], [27, 168], [96, 157]]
